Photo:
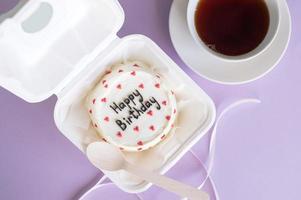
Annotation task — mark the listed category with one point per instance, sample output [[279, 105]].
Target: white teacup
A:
[[274, 13]]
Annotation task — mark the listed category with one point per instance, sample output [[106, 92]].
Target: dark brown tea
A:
[[232, 27]]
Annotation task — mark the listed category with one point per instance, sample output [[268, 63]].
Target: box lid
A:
[[46, 43]]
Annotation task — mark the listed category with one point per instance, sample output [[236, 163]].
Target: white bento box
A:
[[63, 47]]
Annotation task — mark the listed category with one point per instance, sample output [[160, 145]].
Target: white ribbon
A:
[[208, 166], [99, 184]]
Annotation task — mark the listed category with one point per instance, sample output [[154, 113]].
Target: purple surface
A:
[[258, 153]]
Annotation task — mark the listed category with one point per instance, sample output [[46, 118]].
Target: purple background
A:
[[258, 153]]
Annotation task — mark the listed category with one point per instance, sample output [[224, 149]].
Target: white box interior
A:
[[195, 108]]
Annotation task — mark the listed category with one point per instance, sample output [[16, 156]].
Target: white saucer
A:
[[220, 71]]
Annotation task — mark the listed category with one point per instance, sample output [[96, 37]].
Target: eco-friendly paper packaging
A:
[[64, 47]]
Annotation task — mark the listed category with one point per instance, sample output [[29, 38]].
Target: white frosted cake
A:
[[131, 107]]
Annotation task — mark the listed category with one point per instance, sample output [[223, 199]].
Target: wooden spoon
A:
[[108, 157]]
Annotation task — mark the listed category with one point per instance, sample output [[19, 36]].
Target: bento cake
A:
[[132, 108]]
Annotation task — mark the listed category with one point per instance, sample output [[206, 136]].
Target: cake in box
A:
[[193, 116]]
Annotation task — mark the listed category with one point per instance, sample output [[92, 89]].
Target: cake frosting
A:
[[131, 107]]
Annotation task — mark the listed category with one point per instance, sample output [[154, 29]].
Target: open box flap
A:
[[45, 44]]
